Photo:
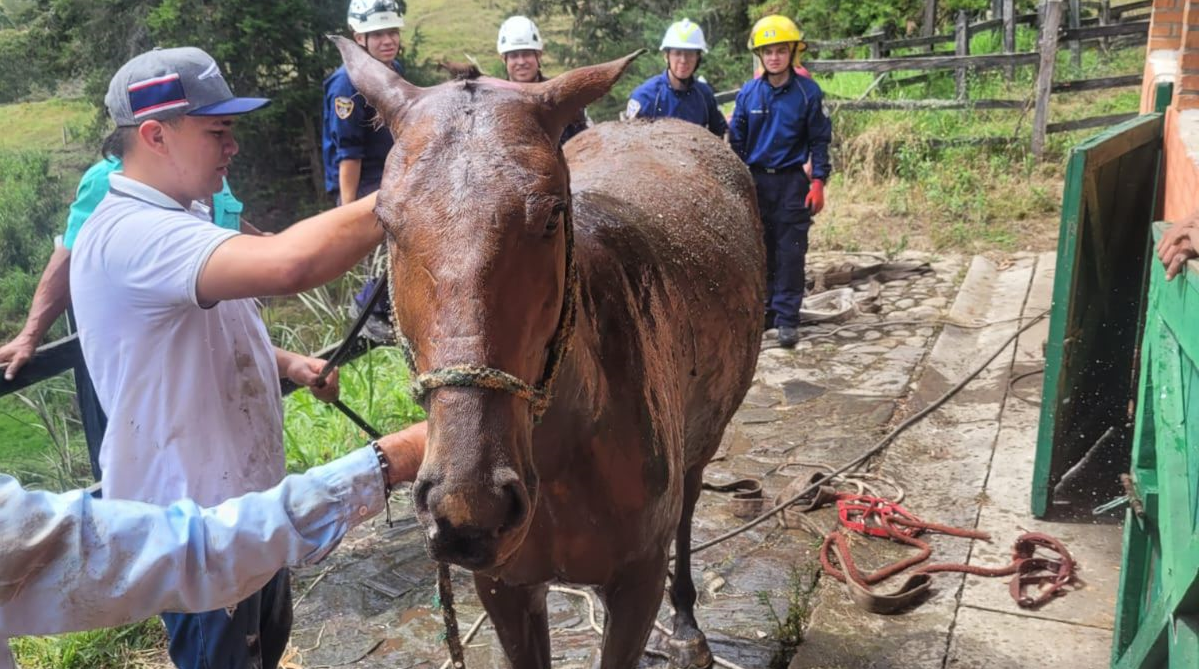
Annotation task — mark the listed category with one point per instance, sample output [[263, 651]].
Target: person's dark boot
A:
[[788, 336]]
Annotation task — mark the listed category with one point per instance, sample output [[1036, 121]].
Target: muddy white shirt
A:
[[191, 393], [71, 563]]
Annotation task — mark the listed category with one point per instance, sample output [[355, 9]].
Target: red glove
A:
[[815, 200]]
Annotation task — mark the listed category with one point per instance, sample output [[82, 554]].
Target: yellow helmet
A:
[[776, 29]]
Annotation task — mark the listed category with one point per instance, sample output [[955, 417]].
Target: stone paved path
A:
[[825, 402]]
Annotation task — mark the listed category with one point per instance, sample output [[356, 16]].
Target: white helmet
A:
[[518, 33], [684, 35], [367, 16]]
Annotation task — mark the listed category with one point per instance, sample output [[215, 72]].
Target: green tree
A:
[[270, 49], [31, 209]]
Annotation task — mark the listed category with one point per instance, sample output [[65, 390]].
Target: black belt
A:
[[776, 170]]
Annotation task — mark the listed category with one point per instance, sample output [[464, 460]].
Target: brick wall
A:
[[1180, 172], [1186, 89], [1173, 56], [1165, 26]]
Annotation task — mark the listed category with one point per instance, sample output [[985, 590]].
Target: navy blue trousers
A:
[[90, 414], [251, 636], [786, 221]]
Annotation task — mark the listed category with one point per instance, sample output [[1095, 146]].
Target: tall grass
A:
[[137, 646], [375, 386]]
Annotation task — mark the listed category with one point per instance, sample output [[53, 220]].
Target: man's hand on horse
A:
[[303, 371], [405, 450], [15, 354]]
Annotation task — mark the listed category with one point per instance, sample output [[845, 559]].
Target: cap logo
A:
[[150, 96], [212, 71]]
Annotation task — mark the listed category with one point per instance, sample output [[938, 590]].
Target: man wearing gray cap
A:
[[180, 358]]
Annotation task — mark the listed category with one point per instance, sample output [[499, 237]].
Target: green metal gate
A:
[[1098, 301], [1157, 619]]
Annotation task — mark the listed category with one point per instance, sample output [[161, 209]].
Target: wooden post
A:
[[1051, 20], [961, 47], [876, 47], [1075, 22], [1009, 33], [1105, 19], [930, 21], [888, 33], [996, 8]]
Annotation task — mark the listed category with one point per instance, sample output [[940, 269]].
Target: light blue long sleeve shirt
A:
[[69, 562]]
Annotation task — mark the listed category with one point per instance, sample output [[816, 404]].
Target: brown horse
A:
[[665, 268]]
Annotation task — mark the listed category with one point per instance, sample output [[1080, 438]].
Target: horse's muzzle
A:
[[468, 524]]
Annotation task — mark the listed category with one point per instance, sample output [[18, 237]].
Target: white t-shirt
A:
[[192, 394]]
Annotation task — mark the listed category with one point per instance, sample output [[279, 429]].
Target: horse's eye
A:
[[555, 219]]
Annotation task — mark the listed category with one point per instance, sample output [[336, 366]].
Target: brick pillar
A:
[[1165, 25], [1186, 89]]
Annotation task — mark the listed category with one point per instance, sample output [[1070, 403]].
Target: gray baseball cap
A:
[[165, 83]]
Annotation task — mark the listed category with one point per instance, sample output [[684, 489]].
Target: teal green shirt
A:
[[226, 209]]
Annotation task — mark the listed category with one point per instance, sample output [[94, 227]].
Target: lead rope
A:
[[445, 595]]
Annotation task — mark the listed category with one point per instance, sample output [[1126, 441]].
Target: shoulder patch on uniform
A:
[[343, 107], [632, 109]]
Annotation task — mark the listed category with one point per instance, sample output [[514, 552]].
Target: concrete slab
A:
[[990, 297], [1005, 504], [990, 640]]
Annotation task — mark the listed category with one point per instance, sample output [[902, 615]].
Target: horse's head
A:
[[476, 204]]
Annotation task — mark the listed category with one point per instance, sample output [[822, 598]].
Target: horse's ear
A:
[[385, 90], [564, 96]]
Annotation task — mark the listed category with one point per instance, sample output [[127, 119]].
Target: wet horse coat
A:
[[670, 265]]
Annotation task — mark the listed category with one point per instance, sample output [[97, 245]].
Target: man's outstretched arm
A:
[[71, 562]]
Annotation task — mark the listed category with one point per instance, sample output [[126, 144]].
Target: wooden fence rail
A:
[[920, 63], [1052, 35]]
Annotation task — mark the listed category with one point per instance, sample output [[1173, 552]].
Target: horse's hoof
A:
[[684, 651]]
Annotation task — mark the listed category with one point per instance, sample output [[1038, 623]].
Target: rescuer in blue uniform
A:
[[676, 92], [779, 123], [520, 47], [353, 147]]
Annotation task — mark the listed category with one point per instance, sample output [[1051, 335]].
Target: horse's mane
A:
[[461, 71]]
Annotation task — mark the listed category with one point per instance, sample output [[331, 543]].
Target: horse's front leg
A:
[[519, 616], [632, 600]]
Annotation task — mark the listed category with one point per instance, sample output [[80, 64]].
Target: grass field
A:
[[456, 31]]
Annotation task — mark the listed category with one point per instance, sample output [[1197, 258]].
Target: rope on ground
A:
[[878, 447], [861, 481], [594, 624], [1011, 386]]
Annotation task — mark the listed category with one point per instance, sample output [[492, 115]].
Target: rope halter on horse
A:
[[539, 396]]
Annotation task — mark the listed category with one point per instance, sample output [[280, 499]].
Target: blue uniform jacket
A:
[[348, 130], [778, 128], [697, 103]]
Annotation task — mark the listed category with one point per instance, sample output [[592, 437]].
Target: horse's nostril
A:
[[420, 495], [518, 506]]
